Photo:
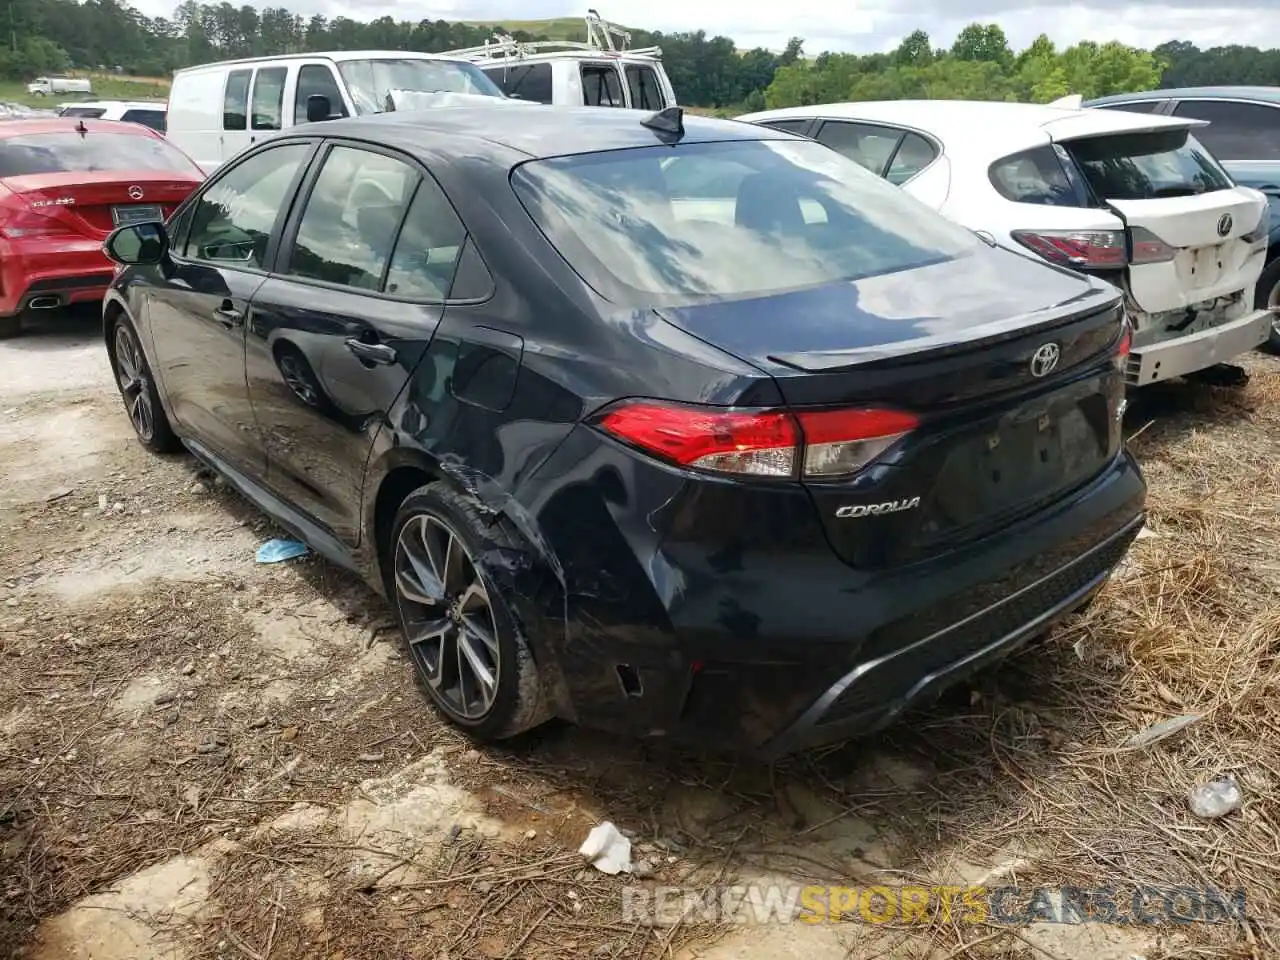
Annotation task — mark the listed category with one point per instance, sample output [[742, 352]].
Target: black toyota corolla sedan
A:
[[664, 425]]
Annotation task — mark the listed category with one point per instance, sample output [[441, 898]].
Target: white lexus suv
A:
[[1133, 198]]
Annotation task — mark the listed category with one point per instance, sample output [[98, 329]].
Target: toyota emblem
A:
[[1224, 224], [135, 193], [1045, 359]]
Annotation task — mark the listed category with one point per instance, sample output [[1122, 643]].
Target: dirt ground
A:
[[201, 756]]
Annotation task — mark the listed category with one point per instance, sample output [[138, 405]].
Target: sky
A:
[[858, 26]]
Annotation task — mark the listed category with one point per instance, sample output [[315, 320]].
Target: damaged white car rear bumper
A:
[[1180, 356]]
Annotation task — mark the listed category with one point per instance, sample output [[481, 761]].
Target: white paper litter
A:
[[607, 849]]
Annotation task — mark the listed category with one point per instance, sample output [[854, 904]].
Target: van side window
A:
[[235, 100], [646, 94], [268, 98], [528, 81], [317, 80], [601, 86]]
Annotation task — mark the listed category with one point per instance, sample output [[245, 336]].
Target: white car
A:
[[1129, 197], [149, 113]]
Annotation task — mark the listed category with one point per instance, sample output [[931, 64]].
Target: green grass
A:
[[105, 87]]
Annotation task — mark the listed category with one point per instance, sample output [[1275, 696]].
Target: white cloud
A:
[[857, 27]]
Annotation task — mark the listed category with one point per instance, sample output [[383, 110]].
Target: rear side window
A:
[[1236, 131], [642, 83], [914, 154], [235, 100], [148, 118], [95, 152], [643, 231], [1035, 176], [1141, 166], [528, 81], [601, 86], [426, 255], [865, 144], [788, 126], [317, 80], [268, 98], [89, 112]]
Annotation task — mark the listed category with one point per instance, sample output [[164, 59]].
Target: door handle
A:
[[372, 352]]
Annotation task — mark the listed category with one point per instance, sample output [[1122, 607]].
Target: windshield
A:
[[369, 81], [96, 151], [663, 225], [1141, 166]]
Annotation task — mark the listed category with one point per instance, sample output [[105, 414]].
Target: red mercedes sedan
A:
[[65, 184]]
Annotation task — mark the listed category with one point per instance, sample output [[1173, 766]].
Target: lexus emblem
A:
[[1045, 359], [135, 193], [1224, 224]]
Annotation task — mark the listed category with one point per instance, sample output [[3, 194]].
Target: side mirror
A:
[[137, 244], [318, 108]]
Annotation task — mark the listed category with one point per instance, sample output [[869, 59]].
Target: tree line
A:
[[54, 35]]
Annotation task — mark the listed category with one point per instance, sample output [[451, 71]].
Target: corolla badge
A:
[[875, 509], [135, 193], [1224, 224], [1045, 359]]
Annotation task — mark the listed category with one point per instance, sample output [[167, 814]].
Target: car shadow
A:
[[47, 331]]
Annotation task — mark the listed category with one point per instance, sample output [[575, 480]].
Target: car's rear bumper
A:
[[1197, 351], [48, 275]]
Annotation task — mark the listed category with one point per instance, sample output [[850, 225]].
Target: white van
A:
[[219, 109], [602, 72]]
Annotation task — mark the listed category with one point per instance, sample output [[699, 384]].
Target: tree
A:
[[914, 51], [983, 42]]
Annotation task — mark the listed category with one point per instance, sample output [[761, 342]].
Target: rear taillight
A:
[[762, 443], [1259, 237], [26, 224], [1123, 346], [1148, 248], [1081, 249]]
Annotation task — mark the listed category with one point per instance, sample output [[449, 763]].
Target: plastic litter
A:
[[1215, 799], [607, 849], [274, 551]]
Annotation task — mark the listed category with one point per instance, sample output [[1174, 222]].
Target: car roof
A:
[[1261, 94], [998, 126], [336, 56], [23, 126], [536, 131]]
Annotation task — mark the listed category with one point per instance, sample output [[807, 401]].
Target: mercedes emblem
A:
[[135, 193], [1045, 359]]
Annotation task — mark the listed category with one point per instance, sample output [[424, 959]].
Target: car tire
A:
[[1268, 295], [138, 390], [467, 628], [10, 327]]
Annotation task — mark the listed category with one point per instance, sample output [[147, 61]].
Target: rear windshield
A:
[[369, 81], [664, 225], [1140, 166], [96, 151], [90, 112]]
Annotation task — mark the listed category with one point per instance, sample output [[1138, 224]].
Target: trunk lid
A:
[[955, 344], [93, 204]]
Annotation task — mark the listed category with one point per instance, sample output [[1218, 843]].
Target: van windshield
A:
[[371, 80]]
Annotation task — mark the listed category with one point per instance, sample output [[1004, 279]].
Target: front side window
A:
[[756, 218], [96, 151], [268, 98], [317, 80], [527, 81], [232, 221], [642, 83], [353, 214], [601, 86], [865, 144], [235, 100], [1236, 131], [1141, 166], [370, 82]]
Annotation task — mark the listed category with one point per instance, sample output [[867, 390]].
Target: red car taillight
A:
[[1123, 346], [762, 443], [1096, 249], [25, 224]]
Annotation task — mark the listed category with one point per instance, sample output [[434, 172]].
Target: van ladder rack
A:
[[601, 37]]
